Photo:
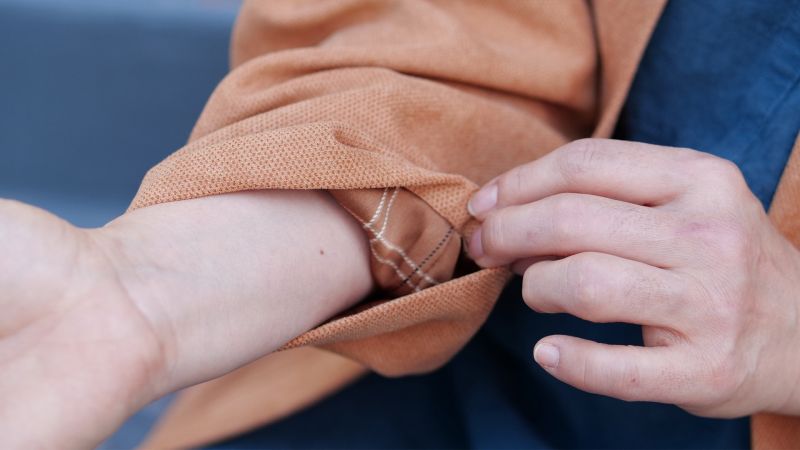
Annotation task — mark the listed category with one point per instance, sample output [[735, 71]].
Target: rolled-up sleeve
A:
[[399, 109]]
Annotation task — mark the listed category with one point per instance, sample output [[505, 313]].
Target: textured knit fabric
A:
[[399, 109], [415, 101]]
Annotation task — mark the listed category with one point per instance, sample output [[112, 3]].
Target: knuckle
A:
[[728, 186], [575, 158], [728, 172], [718, 170]]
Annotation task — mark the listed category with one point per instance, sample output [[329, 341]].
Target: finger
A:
[[629, 171], [629, 373], [606, 288], [567, 224]]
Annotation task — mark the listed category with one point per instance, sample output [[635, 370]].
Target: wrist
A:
[[78, 354], [792, 404], [789, 402], [135, 270], [780, 364], [215, 299]]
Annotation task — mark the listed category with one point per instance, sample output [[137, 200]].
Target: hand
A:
[[668, 238], [77, 356], [97, 323]]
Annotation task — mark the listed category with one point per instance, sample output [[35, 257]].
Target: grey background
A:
[[95, 92]]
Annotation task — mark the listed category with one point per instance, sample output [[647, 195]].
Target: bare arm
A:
[[96, 323]]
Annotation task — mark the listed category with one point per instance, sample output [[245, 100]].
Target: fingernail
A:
[[475, 245], [483, 200], [546, 355]]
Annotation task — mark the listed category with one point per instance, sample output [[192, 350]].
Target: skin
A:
[[671, 239], [97, 323]]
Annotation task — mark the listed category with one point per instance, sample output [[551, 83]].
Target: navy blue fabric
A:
[[723, 78], [716, 78], [95, 92]]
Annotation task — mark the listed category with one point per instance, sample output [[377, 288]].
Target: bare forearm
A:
[[96, 323], [228, 279]]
